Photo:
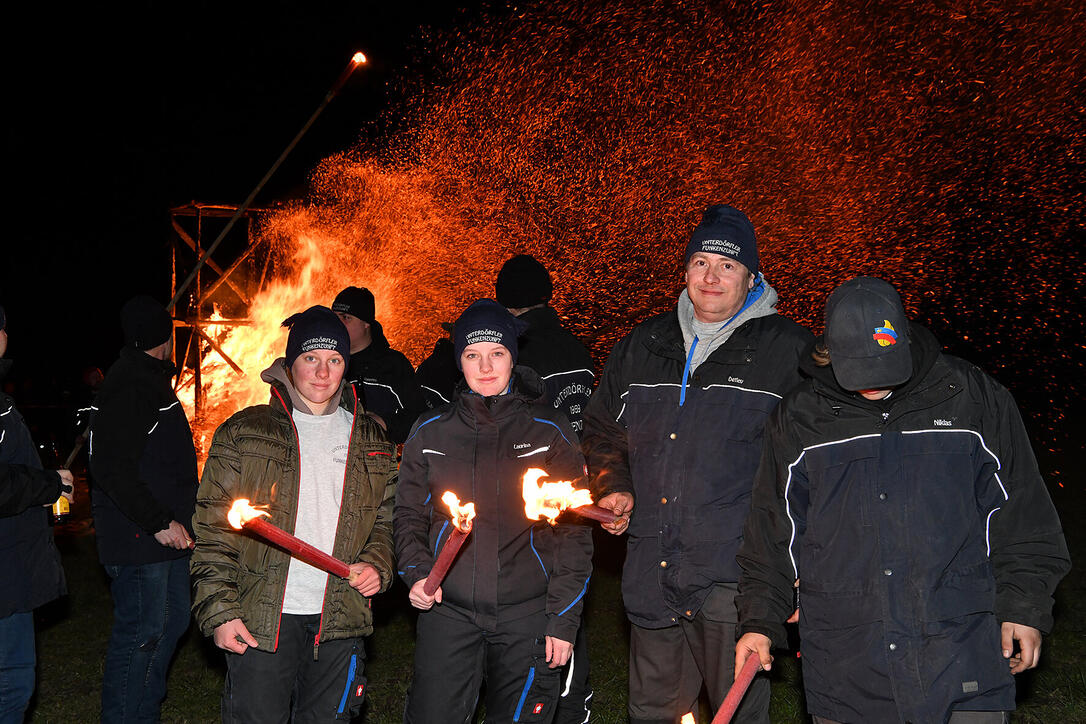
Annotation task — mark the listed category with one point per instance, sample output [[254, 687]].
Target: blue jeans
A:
[[16, 666], [150, 614]]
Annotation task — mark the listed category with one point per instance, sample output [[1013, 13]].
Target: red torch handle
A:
[[595, 512], [739, 687], [298, 548], [444, 560]]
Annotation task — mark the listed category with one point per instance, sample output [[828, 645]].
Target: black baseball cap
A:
[[867, 334]]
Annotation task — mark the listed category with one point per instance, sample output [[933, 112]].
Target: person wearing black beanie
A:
[[525, 288], [329, 473], [517, 620], [143, 496], [383, 377], [676, 427]]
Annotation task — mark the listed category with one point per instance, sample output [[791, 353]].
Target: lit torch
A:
[[548, 500], [462, 516], [244, 516]]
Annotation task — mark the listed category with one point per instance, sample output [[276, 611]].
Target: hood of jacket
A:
[[761, 301], [276, 376]]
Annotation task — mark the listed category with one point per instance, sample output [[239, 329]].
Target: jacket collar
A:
[[146, 363], [526, 388], [665, 337]]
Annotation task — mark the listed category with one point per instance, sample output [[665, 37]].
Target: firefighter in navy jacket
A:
[[675, 428], [510, 605], [899, 487]]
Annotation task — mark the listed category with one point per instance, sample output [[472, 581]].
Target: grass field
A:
[[73, 633]]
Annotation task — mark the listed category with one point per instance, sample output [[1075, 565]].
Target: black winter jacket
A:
[[142, 459], [509, 567], [385, 383], [438, 374], [690, 466], [561, 361], [31, 573], [915, 525]]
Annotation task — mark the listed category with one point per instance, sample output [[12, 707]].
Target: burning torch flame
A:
[[241, 513], [688, 718], [358, 58], [461, 514], [549, 499]]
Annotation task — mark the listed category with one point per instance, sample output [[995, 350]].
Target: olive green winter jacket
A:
[[254, 455]]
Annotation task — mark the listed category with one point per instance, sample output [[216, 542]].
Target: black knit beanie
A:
[[145, 322], [357, 301], [487, 321], [523, 282], [727, 231], [316, 328]]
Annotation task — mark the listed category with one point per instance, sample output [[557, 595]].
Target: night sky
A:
[[116, 112]]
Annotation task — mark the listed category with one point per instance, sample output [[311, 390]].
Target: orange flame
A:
[[358, 58], [462, 515], [550, 499], [241, 513], [688, 718]]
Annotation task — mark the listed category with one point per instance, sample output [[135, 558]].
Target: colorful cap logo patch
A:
[[885, 335]]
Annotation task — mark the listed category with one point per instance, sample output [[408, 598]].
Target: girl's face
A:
[[487, 368]]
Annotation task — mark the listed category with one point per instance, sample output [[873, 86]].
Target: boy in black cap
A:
[[293, 635], [383, 377], [143, 493], [899, 488]]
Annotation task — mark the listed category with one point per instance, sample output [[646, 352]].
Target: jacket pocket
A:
[[835, 605], [961, 592]]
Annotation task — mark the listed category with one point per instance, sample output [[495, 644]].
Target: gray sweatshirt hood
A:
[[277, 372], [761, 302]]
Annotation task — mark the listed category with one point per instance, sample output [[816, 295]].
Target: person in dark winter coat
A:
[[382, 377], [524, 287], [143, 494], [31, 574], [676, 427], [509, 609], [899, 488], [439, 373], [326, 472]]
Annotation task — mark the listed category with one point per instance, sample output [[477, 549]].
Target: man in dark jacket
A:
[[143, 496], [326, 473], [899, 488], [382, 377], [676, 426], [524, 287], [439, 374], [30, 574]]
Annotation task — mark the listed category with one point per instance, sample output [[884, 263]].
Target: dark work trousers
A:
[[958, 717], [453, 656], [264, 687], [575, 703], [668, 666]]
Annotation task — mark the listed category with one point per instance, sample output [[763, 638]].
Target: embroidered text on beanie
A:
[[727, 231], [487, 321], [316, 328], [357, 301]]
